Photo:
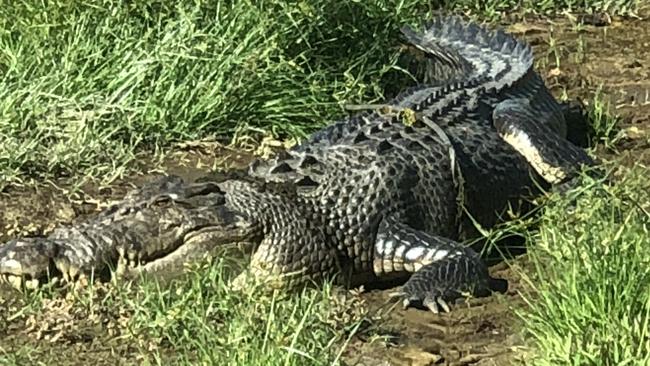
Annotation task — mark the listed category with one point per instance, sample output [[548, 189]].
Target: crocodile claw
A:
[[434, 303]]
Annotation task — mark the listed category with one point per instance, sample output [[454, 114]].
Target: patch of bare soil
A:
[[611, 56], [477, 331]]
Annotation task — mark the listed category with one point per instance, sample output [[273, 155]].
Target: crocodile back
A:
[[477, 68]]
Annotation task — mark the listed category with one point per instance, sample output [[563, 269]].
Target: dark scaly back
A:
[[486, 66], [476, 68], [464, 50], [496, 67], [466, 59]]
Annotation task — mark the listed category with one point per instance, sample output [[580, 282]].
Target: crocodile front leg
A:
[[293, 249], [443, 270], [157, 228]]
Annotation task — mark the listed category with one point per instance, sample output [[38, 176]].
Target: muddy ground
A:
[[608, 55]]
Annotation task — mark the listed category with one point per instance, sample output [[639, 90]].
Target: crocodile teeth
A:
[[133, 259], [83, 280], [73, 272], [32, 284], [64, 267], [15, 281], [121, 267]]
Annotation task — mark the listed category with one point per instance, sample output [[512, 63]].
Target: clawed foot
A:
[[423, 291], [429, 301], [435, 287]]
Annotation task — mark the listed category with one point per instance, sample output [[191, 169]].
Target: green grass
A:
[[589, 287], [588, 302], [604, 129], [590, 297], [85, 86], [194, 320]]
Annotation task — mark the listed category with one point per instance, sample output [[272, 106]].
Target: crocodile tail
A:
[[464, 50]]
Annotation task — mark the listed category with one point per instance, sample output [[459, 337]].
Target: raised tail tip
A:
[[453, 30]]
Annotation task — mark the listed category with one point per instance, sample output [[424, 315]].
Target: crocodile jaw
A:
[[26, 262], [29, 257], [200, 244]]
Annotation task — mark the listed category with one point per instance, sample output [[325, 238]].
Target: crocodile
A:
[[388, 194]]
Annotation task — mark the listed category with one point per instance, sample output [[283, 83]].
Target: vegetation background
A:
[[88, 88]]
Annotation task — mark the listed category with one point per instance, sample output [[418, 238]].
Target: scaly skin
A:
[[380, 195]]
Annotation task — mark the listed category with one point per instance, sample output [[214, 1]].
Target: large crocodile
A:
[[388, 193]]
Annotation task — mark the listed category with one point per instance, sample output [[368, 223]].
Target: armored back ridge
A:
[[468, 60], [385, 194], [477, 70]]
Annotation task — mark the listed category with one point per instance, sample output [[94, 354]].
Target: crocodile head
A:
[[156, 230], [219, 229]]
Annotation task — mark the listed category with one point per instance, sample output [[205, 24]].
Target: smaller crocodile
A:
[[385, 194]]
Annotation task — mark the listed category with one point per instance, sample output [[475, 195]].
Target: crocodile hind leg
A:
[[554, 158], [154, 229], [443, 269]]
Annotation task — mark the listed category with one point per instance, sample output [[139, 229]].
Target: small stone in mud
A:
[[634, 64], [595, 19], [419, 357]]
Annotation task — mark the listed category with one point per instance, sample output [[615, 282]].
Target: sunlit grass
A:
[[84, 86], [197, 319], [589, 302]]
